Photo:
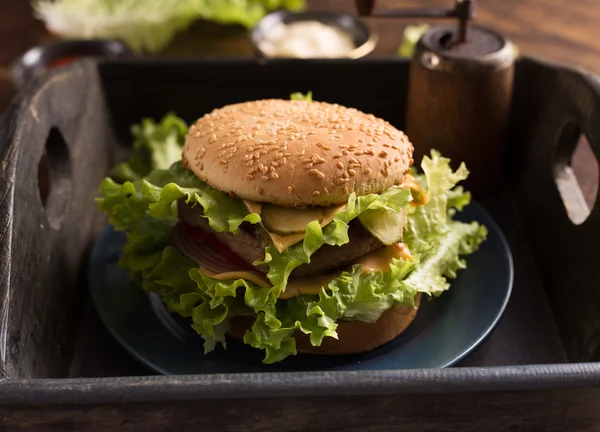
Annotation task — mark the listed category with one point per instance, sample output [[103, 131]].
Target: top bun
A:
[[296, 153]]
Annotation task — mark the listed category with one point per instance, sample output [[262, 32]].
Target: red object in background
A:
[[61, 61], [200, 236]]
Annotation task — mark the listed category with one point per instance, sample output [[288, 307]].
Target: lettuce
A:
[[302, 97], [155, 146], [149, 25], [144, 209], [410, 37], [281, 264]]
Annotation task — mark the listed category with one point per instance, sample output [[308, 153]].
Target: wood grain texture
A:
[[548, 100], [39, 324], [549, 411]]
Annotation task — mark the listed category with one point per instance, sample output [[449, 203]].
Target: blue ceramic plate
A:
[[446, 329]]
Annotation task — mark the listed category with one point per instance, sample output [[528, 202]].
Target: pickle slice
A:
[[286, 221], [387, 227]]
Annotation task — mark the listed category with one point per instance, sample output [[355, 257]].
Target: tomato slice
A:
[[198, 235]]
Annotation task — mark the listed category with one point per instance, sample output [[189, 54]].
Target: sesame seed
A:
[[369, 171], [283, 161], [265, 178], [201, 166], [309, 165], [249, 163], [345, 175], [383, 153], [274, 175], [212, 139], [340, 165], [352, 172], [290, 190], [317, 173], [386, 145], [326, 191], [229, 156], [315, 193], [345, 152], [337, 156], [272, 169], [273, 164], [340, 181], [397, 158], [259, 190], [249, 177], [223, 162], [346, 189]]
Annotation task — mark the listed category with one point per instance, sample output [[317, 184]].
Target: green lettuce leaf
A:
[[147, 25], [302, 97], [156, 146], [410, 37], [281, 264], [138, 206], [145, 211]]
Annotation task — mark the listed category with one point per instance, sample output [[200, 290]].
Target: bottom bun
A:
[[353, 336]]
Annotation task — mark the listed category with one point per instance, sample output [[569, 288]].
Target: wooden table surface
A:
[[560, 30]]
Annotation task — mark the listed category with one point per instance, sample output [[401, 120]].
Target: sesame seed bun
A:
[[353, 336], [296, 153]]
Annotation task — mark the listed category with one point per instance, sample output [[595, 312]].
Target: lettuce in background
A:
[[147, 25], [155, 146]]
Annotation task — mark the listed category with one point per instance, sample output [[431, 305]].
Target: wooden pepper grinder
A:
[[459, 92]]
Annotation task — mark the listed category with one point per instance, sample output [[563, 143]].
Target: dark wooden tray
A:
[[63, 372]]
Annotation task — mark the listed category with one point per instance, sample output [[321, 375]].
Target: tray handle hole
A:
[[577, 183], [54, 178]]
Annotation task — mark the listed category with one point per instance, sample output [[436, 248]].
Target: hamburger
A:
[[294, 226]]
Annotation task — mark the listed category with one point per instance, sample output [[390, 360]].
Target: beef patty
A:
[[250, 246]]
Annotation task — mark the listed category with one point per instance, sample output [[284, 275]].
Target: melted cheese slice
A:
[[376, 261], [282, 242]]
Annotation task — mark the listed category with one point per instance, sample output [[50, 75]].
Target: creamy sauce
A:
[[307, 39], [420, 197]]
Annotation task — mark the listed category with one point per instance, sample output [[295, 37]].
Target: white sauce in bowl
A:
[[306, 39]]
